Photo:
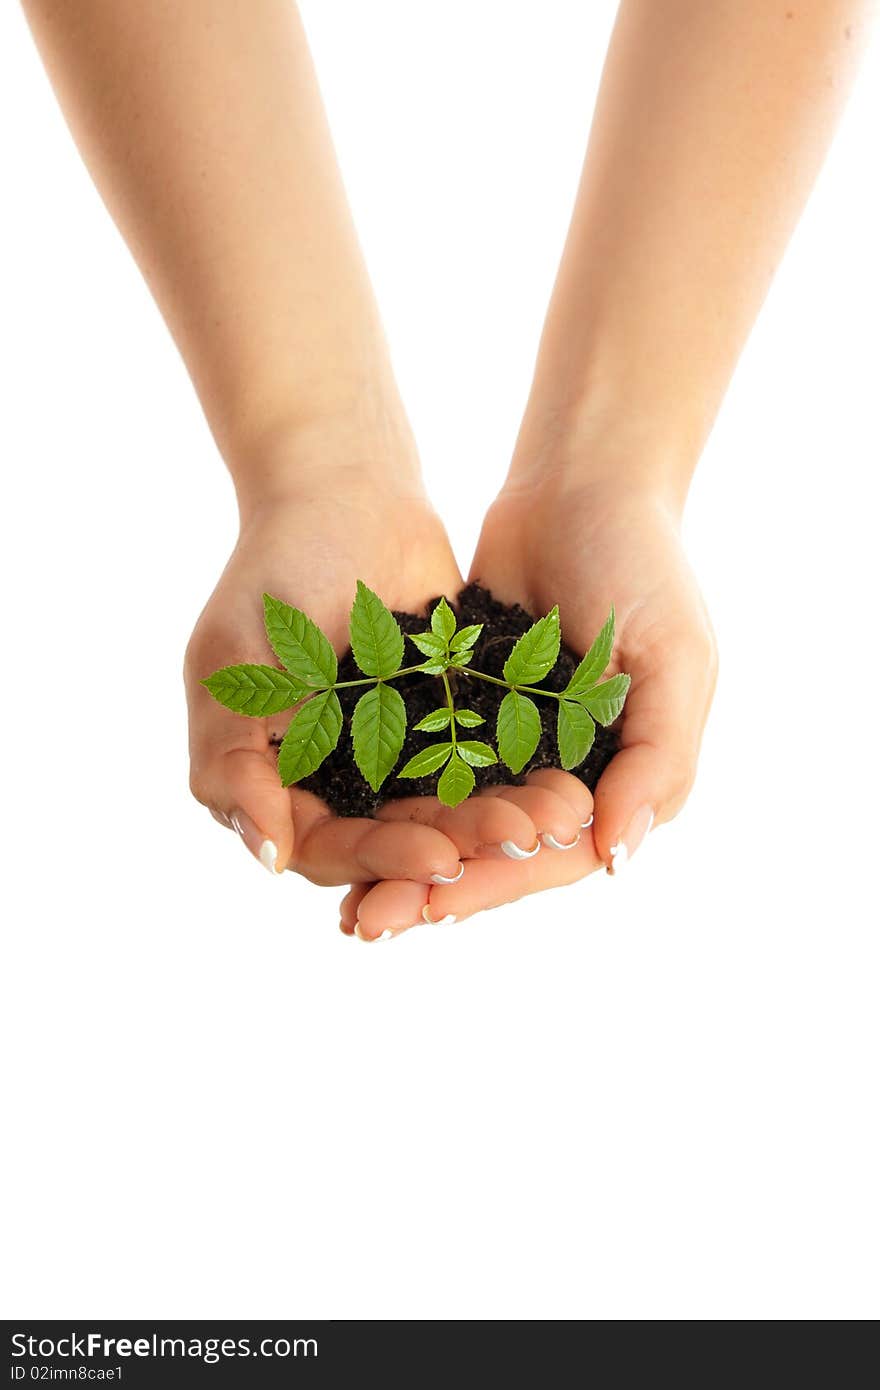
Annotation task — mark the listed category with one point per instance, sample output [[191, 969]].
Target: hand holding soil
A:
[[315, 549], [602, 547]]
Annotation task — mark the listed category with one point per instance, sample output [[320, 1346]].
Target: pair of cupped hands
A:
[[548, 541]]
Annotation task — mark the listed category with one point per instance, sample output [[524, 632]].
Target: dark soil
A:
[[338, 781]]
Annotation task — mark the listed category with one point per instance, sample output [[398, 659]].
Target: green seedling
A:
[[308, 685]]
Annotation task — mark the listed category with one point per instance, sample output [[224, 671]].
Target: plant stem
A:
[[367, 680], [520, 689], [450, 703]]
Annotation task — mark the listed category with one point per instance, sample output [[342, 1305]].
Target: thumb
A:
[[649, 779], [233, 773]]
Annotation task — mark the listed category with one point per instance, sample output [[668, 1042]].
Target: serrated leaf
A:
[[434, 668], [605, 701], [427, 761], [575, 732], [428, 643], [313, 733], [518, 730], [462, 658], [592, 668], [466, 637], [255, 690], [376, 639], [299, 644], [378, 728], [443, 621], [476, 753], [468, 718], [437, 719], [535, 653], [456, 783]]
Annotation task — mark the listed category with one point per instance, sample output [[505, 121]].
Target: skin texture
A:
[[711, 124]]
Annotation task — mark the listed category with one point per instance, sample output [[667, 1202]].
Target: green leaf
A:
[[255, 690], [535, 653], [466, 637], [456, 783], [468, 718], [605, 701], [299, 644], [518, 730], [443, 621], [378, 728], [428, 643], [376, 639], [476, 753], [575, 732], [427, 761], [313, 732], [434, 668], [437, 719], [462, 658], [592, 668]]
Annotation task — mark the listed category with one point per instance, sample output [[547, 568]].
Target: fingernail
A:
[[438, 878], [446, 921], [631, 838], [514, 852], [261, 848], [585, 824], [386, 935], [552, 843]]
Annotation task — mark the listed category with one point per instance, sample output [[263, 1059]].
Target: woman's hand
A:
[[309, 546], [587, 547]]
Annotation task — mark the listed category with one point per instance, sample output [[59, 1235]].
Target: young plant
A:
[[308, 685]]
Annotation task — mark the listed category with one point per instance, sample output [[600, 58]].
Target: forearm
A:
[[202, 126], [710, 127]]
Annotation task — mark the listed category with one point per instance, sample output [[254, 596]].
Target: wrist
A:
[[349, 448], [578, 446]]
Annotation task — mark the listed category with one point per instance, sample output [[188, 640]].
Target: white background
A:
[[654, 1097]]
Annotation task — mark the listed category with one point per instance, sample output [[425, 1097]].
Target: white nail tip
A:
[[371, 940], [446, 921], [269, 855], [438, 878], [552, 843], [514, 852], [619, 857], [585, 824]]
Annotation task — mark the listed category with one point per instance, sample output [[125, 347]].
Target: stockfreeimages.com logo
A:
[[95, 1346]]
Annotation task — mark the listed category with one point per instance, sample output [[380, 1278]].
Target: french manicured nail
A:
[[261, 848], [386, 935], [632, 837], [514, 852], [438, 878], [585, 824], [446, 921], [552, 843]]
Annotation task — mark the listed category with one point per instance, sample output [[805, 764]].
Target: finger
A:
[[386, 909], [571, 789], [233, 773], [348, 908], [648, 780], [331, 850], [477, 827], [487, 883], [556, 823]]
